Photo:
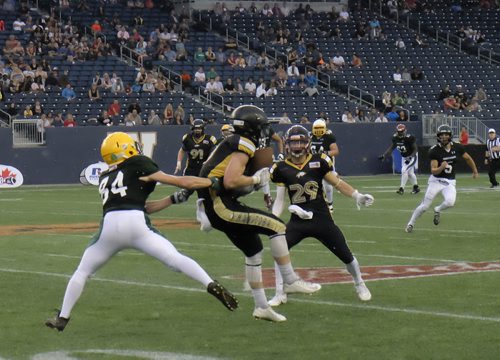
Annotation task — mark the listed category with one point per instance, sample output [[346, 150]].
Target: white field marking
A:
[[424, 229], [12, 199], [136, 354], [409, 258], [410, 238], [63, 256], [314, 302]]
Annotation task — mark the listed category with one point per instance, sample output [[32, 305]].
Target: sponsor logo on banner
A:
[[90, 175], [10, 177]]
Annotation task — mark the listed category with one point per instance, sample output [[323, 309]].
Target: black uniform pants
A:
[[494, 166]]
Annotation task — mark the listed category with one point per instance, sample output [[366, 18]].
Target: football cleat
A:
[[268, 200], [409, 228], [268, 314], [415, 190], [278, 299], [223, 295], [301, 286], [363, 292], [400, 191], [330, 208], [437, 217], [57, 322]]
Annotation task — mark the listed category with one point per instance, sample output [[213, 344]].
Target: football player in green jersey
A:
[[302, 175], [124, 189]]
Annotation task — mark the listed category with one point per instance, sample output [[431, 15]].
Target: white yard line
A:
[[442, 314]]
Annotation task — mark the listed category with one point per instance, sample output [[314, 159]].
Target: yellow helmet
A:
[[117, 147], [319, 128]]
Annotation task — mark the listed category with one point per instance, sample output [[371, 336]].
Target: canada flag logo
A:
[[10, 177]]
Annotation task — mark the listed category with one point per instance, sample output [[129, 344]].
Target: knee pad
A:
[[253, 268], [279, 246]]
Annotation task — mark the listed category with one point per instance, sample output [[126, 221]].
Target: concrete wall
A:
[[70, 150]]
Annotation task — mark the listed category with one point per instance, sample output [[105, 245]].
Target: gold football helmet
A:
[[117, 147], [319, 128]]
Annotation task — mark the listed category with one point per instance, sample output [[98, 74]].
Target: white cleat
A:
[[278, 299], [268, 314], [409, 228], [363, 293], [301, 286]]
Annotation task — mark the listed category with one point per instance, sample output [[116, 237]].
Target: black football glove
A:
[[180, 196], [381, 157]]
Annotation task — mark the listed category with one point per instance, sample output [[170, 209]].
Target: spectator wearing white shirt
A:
[[210, 86], [200, 76], [219, 87], [381, 118], [18, 25], [293, 70], [344, 15], [250, 86], [339, 61], [400, 44], [397, 76], [261, 90], [348, 118]]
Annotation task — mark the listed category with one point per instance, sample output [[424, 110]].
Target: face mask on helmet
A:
[[401, 130], [198, 128], [119, 146], [226, 130], [297, 142], [319, 128]]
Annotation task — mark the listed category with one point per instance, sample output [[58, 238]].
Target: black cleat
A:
[[268, 200], [223, 295], [415, 190], [400, 191], [437, 218], [57, 322]]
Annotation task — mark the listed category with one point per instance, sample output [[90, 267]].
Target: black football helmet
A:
[[198, 128], [251, 122], [444, 129], [297, 141]]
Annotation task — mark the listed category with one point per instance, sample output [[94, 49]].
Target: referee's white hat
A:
[[491, 131]]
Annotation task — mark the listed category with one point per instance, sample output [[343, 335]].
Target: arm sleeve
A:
[[279, 202]]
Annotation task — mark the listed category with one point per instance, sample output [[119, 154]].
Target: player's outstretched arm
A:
[[186, 182], [153, 206], [347, 190], [470, 161]]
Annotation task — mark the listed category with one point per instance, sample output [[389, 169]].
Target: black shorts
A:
[[242, 224], [323, 228]]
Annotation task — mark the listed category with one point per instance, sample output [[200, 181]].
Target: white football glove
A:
[[281, 157], [261, 177], [362, 199]]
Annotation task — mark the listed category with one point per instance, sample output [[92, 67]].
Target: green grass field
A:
[[134, 308]]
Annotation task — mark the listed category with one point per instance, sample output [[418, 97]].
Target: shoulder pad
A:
[[213, 139], [246, 146], [184, 137]]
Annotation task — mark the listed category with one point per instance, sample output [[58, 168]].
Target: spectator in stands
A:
[[153, 118], [94, 94], [68, 93], [229, 86], [375, 28], [133, 118], [149, 85], [28, 112], [70, 121], [261, 90], [387, 101], [58, 120], [240, 61], [464, 136], [360, 116], [400, 44], [356, 61], [339, 62], [360, 32], [200, 77], [177, 120], [396, 76], [18, 25], [403, 116], [123, 35], [444, 93], [168, 114], [451, 103], [220, 56], [250, 86], [263, 61], [347, 117], [381, 118], [304, 120], [181, 54], [46, 121], [13, 46], [474, 105], [106, 83], [311, 84], [114, 109], [416, 73], [38, 109], [272, 91], [406, 75], [392, 115], [210, 55], [104, 119], [64, 78], [96, 28], [419, 42], [344, 15], [397, 99], [179, 113], [232, 60], [170, 54], [134, 106], [199, 56], [117, 84], [461, 98], [480, 94]]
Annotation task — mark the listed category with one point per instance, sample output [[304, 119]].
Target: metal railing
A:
[[28, 132], [212, 99], [362, 97], [174, 77], [5, 119], [130, 56], [478, 131]]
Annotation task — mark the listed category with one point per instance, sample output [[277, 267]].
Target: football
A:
[[262, 158]]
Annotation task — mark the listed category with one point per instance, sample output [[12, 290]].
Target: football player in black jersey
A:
[[302, 175], [443, 156], [324, 142], [198, 146], [124, 189], [243, 224], [407, 146]]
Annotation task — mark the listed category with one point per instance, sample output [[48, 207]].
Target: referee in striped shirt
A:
[[493, 156]]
